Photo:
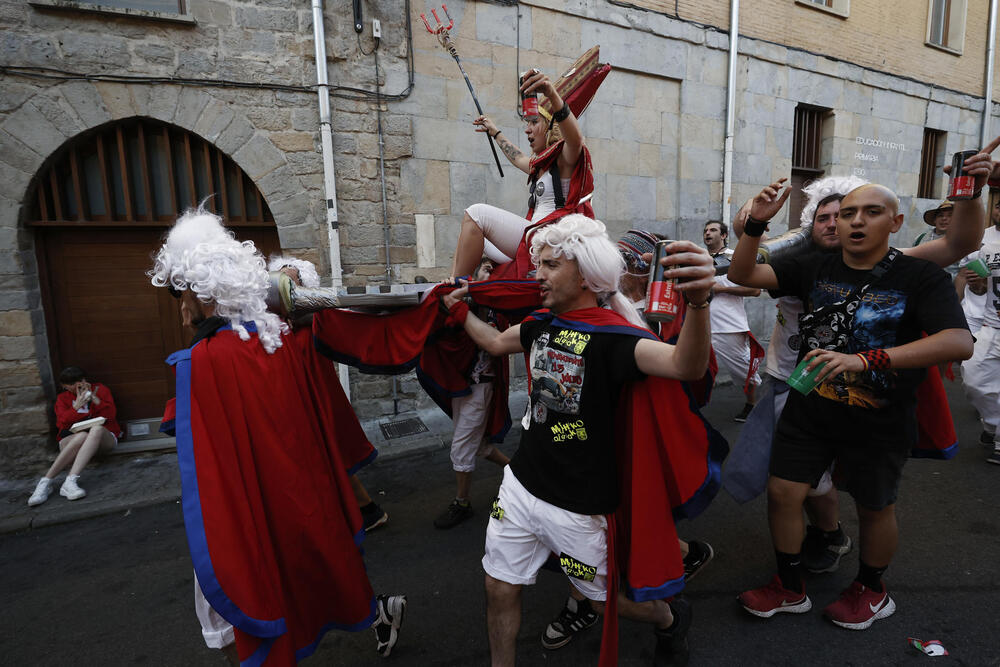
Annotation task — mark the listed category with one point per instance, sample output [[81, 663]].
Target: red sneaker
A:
[[773, 598], [858, 607]]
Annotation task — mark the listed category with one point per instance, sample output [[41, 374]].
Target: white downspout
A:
[[986, 134], [329, 173], [727, 165]]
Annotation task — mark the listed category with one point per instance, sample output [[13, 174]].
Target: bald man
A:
[[866, 307]]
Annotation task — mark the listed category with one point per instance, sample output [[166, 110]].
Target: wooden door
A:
[[104, 315]]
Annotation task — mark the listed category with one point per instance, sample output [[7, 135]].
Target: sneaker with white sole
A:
[[41, 492], [994, 457], [575, 617], [390, 610], [70, 489], [821, 553], [858, 607], [769, 600], [699, 555]]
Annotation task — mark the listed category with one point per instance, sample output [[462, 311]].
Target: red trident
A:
[[441, 31]]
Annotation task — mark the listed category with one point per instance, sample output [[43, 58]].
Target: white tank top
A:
[[783, 349], [545, 202]]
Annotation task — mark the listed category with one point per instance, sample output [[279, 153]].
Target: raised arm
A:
[[570, 129], [513, 153], [482, 334], [965, 233], [688, 359], [744, 268]]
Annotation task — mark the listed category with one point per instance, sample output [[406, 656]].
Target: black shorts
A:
[[868, 468]]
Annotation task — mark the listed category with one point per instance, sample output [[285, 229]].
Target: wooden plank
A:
[[109, 206], [43, 206], [170, 172], [260, 203], [56, 195], [77, 190], [212, 206], [243, 197], [193, 195], [144, 170], [222, 186], [123, 165]]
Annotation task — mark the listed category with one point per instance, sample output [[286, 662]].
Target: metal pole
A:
[[329, 173], [986, 133], [727, 164]]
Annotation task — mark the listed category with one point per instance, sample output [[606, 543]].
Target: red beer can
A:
[[529, 101], [961, 185], [662, 295]]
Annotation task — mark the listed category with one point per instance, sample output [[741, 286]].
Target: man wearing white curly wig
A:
[[272, 525], [562, 481]]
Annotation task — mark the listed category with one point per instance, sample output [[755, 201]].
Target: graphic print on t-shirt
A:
[[875, 324], [556, 379]]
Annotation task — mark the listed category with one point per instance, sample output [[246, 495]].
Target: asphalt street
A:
[[117, 590]]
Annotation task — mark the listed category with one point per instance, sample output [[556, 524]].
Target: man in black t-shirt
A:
[[866, 309], [562, 480]]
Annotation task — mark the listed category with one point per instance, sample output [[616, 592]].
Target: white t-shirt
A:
[[546, 202], [783, 349], [990, 253], [728, 313]]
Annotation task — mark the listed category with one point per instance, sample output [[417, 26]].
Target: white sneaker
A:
[[70, 489], [41, 493]]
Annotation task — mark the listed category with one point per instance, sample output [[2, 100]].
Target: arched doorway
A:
[[99, 209]]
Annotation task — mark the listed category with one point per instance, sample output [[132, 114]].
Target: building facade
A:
[[115, 116]]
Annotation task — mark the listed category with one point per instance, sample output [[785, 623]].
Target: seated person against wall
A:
[[80, 401]]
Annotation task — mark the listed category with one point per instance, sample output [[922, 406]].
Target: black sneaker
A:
[[699, 555], [577, 615], [986, 439], [821, 553], [994, 457], [373, 516], [454, 515], [672, 643], [389, 617], [742, 417]]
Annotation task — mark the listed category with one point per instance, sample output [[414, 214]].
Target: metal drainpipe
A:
[[727, 164], [329, 173], [986, 134]]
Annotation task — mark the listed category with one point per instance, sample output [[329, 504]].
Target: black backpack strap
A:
[[557, 185]]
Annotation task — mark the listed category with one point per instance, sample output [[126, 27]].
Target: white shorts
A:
[[470, 414], [732, 352], [523, 531], [217, 631], [503, 230]]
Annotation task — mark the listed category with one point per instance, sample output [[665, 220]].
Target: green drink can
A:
[[978, 267], [802, 380]]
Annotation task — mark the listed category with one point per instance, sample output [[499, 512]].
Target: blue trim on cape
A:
[[718, 450], [945, 454], [368, 369], [194, 521], [661, 592], [169, 427], [362, 463]]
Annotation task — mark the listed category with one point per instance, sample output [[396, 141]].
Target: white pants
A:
[[981, 375], [503, 230], [732, 352], [217, 631], [524, 529], [470, 414]]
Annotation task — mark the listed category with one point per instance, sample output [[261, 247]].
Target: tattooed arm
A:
[[516, 157]]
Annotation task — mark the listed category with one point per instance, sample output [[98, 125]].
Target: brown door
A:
[[104, 316]]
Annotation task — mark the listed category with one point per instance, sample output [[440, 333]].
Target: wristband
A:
[[754, 227], [562, 114], [978, 193], [457, 313], [877, 360], [864, 360], [495, 135], [698, 306]]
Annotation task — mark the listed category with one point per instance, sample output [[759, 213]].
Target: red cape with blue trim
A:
[[271, 520]]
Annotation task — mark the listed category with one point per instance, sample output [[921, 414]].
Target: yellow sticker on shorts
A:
[[574, 568]]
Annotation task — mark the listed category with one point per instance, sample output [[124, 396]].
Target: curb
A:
[[40, 519]]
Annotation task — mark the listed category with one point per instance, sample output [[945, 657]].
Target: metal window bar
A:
[[124, 182], [808, 138], [928, 163]]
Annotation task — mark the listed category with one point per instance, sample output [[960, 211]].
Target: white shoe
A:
[[70, 489], [41, 493]]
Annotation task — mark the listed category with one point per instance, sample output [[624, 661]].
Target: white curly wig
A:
[[306, 269], [601, 265], [822, 188], [201, 255]]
